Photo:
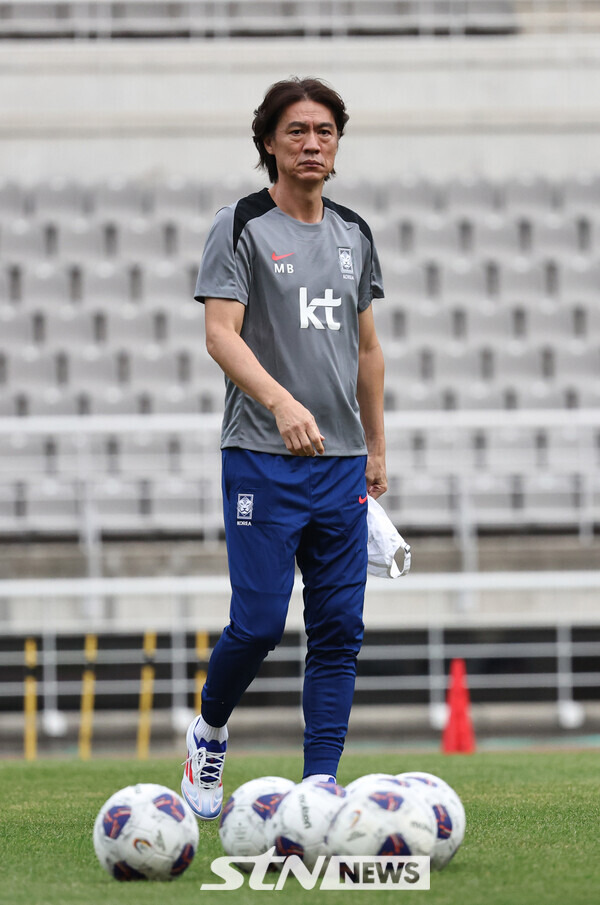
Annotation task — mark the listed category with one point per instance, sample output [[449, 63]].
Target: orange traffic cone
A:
[[458, 735]]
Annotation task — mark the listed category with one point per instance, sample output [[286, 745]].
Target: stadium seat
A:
[[470, 195], [94, 369], [118, 400], [421, 499], [419, 396], [120, 197], [198, 458], [551, 321], [528, 194], [557, 235], [481, 395], [173, 400], [80, 238], [518, 362], [31, 368], [488, 323], [463, 282], [458, 363], [119, 505], [581, 193], [498, 235], [59, 197], [522, 280], [220, 193], [512, 450], [145, 455], [16, 327], [406, 196], [154, 365], [166, 283], [13, 200], [23, 240], [177, 504], [69, 326], [191, 236], [407, 281], [573, 449], [46, 285], [23, 455], [436, 235], [51, 401], [8, 407], [403, 363], [132, 327], [551, 499], [580, 279], [176, 197], [140, 239], [107, 284], [427, 322], [577, 361], [492, 500], [185, 324], [51, 505], [544, 394]]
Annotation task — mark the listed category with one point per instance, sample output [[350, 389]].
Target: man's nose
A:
[[311, 141]]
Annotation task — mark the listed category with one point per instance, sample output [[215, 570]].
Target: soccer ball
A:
[[248, 812], [448, 811], [370, 778], [382, 819], [145, 832], [303, 817]]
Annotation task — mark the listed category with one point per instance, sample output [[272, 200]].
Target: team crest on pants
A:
[[245, 505]]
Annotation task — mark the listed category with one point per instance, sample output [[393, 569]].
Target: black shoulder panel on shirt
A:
[[350, 216], [248, 208]]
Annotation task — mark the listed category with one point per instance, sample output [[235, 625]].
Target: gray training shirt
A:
[[303, 285]]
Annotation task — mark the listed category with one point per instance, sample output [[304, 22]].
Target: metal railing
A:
[[558, 661]]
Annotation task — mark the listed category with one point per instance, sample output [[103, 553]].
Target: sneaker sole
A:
[[194, 809]]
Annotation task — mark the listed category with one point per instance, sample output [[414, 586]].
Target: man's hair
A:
[[280, 96]]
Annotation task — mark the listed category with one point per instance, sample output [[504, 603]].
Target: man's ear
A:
[[268, 145]]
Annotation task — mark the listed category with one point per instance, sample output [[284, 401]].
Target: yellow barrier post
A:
[[30, 701], [88, 682], [202, 655], [146, 696]]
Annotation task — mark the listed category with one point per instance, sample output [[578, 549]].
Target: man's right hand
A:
[[298, 428]]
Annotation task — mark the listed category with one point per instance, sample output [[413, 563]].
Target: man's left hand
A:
[[375, 474]]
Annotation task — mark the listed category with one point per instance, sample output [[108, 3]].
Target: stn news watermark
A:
[[342, 872]]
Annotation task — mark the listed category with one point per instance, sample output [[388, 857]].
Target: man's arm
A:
[[298, 428], [369, 392]]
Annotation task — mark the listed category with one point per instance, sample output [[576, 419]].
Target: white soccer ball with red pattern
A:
[[247, 814], [303, 818], [145, 832], [382, 818], [448, 811]]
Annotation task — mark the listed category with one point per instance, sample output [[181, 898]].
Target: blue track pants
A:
[[278, 510]]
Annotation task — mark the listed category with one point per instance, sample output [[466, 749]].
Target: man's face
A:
[[304, 143]]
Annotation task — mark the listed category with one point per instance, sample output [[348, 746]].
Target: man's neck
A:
[[304, 203]]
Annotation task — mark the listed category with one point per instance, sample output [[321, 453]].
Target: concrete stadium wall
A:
[[443, 108]]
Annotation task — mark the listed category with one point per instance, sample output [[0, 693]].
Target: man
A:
[[287, 278]]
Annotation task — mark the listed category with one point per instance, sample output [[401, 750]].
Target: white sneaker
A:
[[202, 786]]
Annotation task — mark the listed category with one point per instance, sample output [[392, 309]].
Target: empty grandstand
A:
[[484, 205]]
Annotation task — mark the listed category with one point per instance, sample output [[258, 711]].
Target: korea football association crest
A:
[[245, 507], [345, 259]]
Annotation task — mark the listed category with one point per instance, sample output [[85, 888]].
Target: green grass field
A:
[[533, 830]]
